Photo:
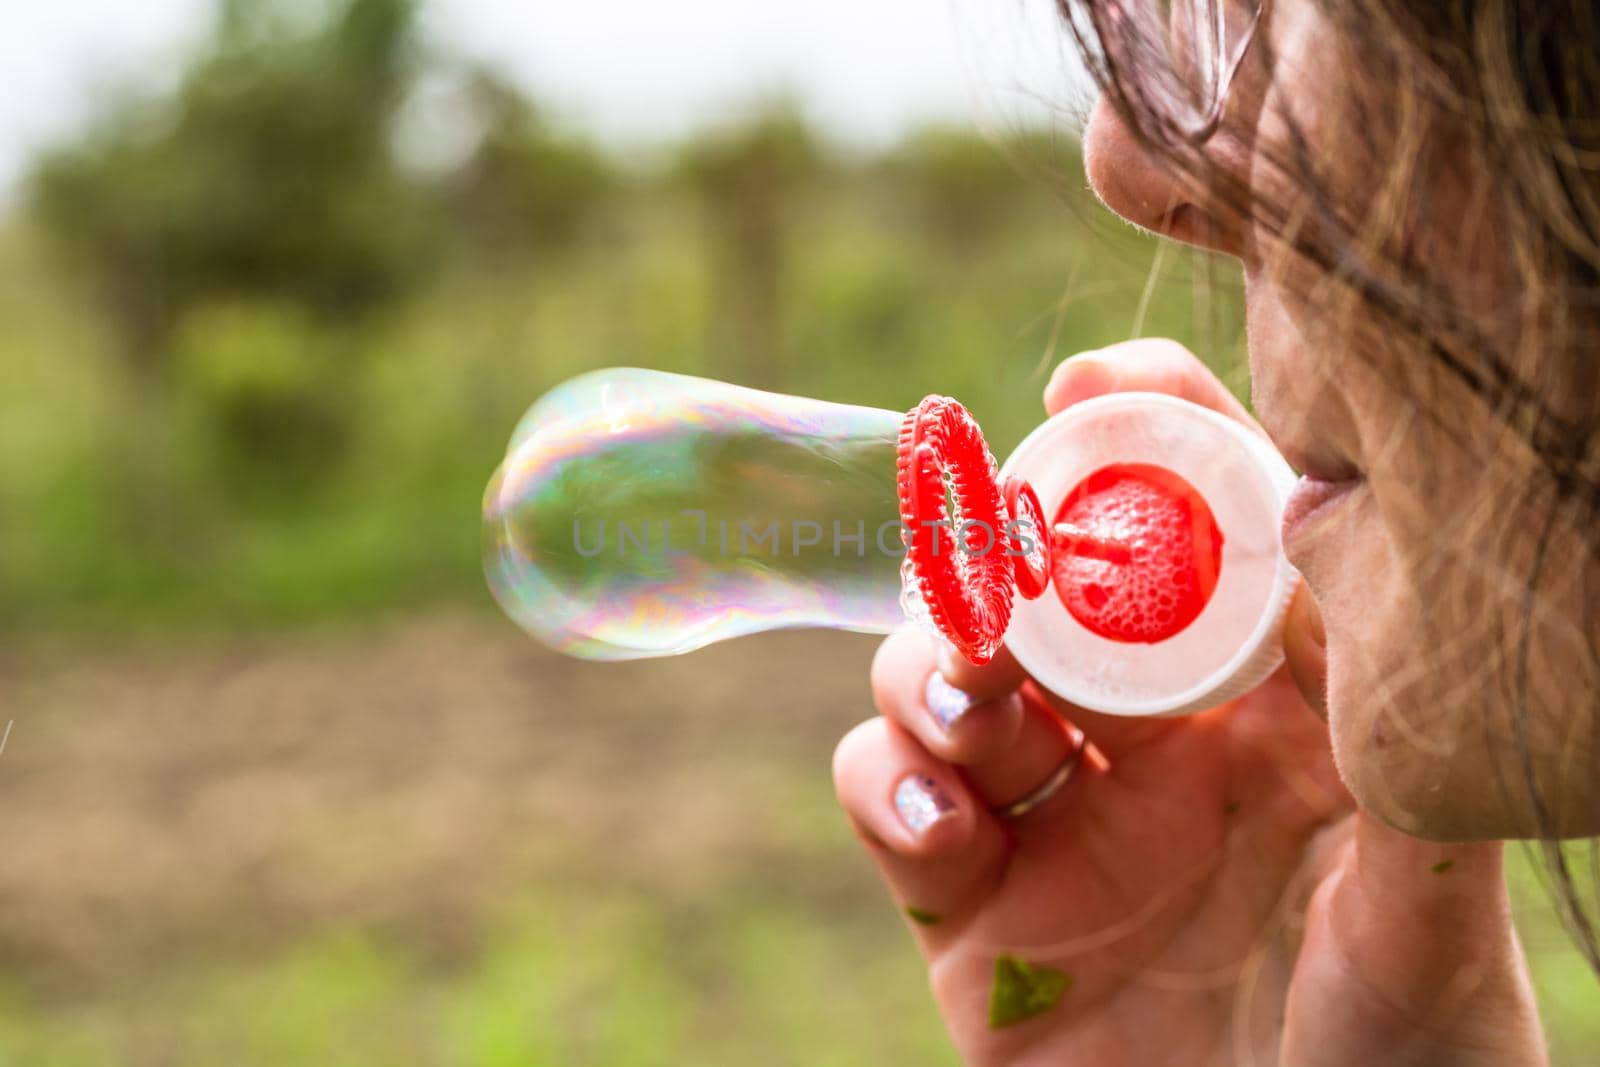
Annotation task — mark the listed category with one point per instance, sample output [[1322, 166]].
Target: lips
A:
[[1312, 502]]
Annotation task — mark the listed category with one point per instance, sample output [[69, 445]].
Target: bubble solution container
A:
[[640, 513], [1233, 643]]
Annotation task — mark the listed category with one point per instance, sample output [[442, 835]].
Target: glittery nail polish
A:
[[946, 702], [921, 803]]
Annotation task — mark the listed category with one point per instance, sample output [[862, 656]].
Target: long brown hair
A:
[[1506, 93]]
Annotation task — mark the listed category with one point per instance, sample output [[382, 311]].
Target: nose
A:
[[1137, 184]]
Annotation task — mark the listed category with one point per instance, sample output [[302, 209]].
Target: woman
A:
[[1413, 192]]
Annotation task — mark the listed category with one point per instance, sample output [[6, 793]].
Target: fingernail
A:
[[921, 803], [1077, 359], [946, 702], [1077, 364]]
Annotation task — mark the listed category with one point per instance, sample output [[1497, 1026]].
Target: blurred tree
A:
[[748, 177], [961, 186], [262, 386], [269, 174], [527, 187]]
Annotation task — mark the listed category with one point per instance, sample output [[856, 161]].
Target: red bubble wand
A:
[[948, 481]]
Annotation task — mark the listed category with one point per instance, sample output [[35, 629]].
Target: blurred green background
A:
[[281, 786]]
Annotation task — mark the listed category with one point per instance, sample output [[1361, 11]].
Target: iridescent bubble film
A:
[[640, 513]]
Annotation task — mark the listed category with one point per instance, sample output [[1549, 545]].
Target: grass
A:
[[407, 846], [428, 843], [610, 980]]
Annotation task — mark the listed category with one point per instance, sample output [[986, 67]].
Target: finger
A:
[[954, 725], [934, 845], [1114, 736], [1152, 365], [1305, 650], [1001, 675], [963, 727], [1044, 743], [1007, 748]]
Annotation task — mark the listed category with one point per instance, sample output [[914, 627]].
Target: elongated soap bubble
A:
[[640, 513]]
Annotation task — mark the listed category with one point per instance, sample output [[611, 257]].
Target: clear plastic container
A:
[[1234, 643]]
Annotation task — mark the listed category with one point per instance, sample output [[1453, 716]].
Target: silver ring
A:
[[1047, 788]]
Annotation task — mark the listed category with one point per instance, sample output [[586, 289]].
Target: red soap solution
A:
[[1154, 557]]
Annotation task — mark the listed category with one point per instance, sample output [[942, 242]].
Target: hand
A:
[[1201, 891]]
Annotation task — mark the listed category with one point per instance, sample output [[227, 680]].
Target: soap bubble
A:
[[640, 513]]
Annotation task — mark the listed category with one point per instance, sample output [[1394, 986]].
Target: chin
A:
[[1418, 800], [1424, 810], [1441, 785]]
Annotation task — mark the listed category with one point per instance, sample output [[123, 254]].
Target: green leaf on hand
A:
[[1442, 866], [1023, 990], [923, 918]]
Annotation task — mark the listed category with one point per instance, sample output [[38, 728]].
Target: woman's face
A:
[[1411, 534]]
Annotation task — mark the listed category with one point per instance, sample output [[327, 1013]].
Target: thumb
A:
[[1305, 648]]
